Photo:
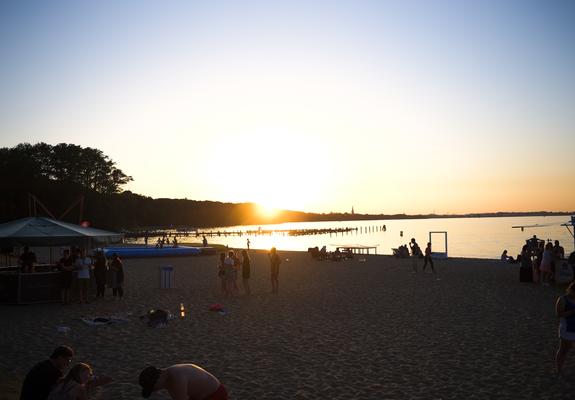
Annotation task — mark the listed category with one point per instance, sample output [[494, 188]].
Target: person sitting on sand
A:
[[565, 311], [76, 383], [44, 375], [183, 382], [323, 253], [506, 258], [336, 255]]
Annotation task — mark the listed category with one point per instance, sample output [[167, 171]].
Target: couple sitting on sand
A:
[[46, 380]]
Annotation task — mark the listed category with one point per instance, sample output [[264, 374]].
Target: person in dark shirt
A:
[[66, 266], [558, 251], [44, 375], [100, 273], [571, 262], [27, 260]]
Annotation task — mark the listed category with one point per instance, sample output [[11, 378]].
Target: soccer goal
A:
[[439, 235]]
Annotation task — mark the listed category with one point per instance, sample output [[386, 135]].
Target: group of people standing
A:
[[416, 254], [231, 265], [229, 268], [542, 259], [76, 264]]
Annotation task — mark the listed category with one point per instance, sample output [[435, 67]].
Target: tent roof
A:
[[40, 231]]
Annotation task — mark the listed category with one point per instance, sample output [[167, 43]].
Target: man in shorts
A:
[[183, 382]]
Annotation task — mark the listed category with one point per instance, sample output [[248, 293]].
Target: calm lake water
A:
[[466, 237]]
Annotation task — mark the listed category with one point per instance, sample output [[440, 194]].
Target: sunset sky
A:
[[386, 106]]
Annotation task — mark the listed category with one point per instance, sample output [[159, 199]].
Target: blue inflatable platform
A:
[[151, 251]]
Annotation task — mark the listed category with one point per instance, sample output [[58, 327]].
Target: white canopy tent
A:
[[41, 231]]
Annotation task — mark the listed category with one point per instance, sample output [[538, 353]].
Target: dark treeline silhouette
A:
[[58, 175], [69, 163]]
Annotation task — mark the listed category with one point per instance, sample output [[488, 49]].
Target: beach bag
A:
[[158, 318]]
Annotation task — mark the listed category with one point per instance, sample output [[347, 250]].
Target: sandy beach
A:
[[337, 330]]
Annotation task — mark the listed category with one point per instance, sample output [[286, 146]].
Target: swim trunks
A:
[[220, 394]]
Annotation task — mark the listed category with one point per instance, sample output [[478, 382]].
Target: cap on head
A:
[[148, 378], [62, 351]]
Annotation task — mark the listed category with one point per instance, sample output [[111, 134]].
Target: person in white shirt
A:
[[83, 266]]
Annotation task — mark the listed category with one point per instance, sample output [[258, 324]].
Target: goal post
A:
[[436, 253]]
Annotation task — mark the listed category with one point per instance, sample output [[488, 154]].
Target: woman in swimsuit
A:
[[565, 311]]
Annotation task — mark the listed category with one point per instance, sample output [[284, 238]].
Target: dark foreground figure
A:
[[44, 375], [183, 382]]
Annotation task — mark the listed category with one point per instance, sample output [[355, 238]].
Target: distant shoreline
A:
[[471, 215], [336, 217]]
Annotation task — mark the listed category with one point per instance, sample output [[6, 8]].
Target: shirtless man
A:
[[183, 382]]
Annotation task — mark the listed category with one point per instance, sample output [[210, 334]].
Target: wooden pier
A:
[[197, 232], [254, 232]]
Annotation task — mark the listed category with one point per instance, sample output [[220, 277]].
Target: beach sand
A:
[[337, 330]]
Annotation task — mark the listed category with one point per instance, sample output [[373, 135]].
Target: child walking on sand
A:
[[275, 269], [427, 258]]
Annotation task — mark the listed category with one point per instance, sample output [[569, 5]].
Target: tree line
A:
[[58, 175], [69, 163]]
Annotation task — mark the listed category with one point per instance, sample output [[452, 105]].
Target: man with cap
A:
[[183, 382]]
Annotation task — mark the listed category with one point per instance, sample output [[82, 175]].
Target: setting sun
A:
[[266, 212]]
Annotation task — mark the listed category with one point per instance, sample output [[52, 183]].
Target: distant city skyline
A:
[[415, 107]]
